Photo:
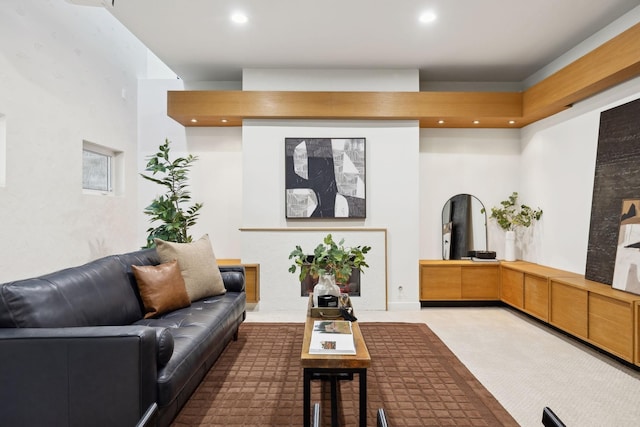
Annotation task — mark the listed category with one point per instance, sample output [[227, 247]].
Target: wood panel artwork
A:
[[617, 177]]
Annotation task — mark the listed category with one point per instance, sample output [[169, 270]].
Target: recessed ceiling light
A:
[[224, 120], [512, 122], [194, 120], [427, 17], [476, 122], [440, 122], [239, 18]]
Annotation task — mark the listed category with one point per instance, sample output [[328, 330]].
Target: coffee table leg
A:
[[306, 397], [334, 401], [363, 397]]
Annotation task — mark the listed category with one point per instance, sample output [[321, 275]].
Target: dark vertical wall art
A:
[[325, 178], [617, 177]]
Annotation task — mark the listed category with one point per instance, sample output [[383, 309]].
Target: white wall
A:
[[481, 162], [392, 192], [558, 165], [215, 178], [67, 73], [392, 185]]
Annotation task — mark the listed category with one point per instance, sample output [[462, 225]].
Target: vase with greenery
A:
[[330, 260], [512, 216], [168, 209]]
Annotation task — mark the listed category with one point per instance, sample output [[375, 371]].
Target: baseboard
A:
[[403, 306]]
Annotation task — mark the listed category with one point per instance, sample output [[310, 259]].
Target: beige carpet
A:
[[417, 380]]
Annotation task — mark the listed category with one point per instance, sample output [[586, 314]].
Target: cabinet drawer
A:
[[536, 296], [569, 309], [440, 283], [512, 287], [480, 283], [611, 325], [637, 328]]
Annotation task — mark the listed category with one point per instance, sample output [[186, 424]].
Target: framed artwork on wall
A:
[[626, 273], [325, 178], [617, 178]]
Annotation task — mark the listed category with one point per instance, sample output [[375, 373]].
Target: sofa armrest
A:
[[233, 277], [77, 376]]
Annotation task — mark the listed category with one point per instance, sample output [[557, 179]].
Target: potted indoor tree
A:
[[511, 216], [332, 263], [168, 209]]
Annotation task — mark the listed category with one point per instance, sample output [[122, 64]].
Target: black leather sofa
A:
[[75, 349]]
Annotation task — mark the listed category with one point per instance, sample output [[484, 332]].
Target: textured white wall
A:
[[215, 179], [558, 163], [63, 72], [481, 162]]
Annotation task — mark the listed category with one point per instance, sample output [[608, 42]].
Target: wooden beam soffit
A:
[[609, 64], [606, 66], [456, 109]]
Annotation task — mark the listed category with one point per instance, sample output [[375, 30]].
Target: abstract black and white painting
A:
[[325, 178], [626, 273]]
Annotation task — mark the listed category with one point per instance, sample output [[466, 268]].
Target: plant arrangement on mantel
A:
[[168, 209], [512, 216], [331, 262]]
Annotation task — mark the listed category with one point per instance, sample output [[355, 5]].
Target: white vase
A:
[[326, 286], [510, 246]]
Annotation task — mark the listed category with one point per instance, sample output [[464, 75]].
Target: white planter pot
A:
[[326, 286], [510, 246]]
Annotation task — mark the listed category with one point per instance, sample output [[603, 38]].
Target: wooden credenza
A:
[[525, 286], [251, 278], [593, 312], [459, 280], [596, 313]]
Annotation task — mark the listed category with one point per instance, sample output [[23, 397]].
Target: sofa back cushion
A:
[[94, 294]]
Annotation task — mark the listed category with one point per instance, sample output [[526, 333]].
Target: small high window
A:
[[98, 164]]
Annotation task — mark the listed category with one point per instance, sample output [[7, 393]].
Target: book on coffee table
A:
[[332, 337]]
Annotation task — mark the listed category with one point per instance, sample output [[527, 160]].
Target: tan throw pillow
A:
[[161, 288], [198, 266]]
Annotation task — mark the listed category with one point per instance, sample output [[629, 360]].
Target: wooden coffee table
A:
[[332, 366]]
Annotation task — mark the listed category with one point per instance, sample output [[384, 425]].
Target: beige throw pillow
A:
[[198, 266]]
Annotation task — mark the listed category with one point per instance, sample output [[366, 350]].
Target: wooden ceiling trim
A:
[[210, 108], [608, 65]]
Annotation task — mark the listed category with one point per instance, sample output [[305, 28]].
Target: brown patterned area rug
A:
[[418, 381]]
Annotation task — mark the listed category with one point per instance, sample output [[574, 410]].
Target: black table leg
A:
[[307, 398], [334, 401], [363, 397], [334, 376]]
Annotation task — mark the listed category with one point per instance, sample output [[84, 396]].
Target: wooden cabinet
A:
[[526, 286], [512, 287], [593, 312], [636, 323], [480, 282], [611, 324], [459, 281], [251, 278], [569, 308]]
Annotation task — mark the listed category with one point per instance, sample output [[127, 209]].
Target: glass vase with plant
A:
[[329, 258]]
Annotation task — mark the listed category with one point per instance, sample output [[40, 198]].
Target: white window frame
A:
[[114, 160]]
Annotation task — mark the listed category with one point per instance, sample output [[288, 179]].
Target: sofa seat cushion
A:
[[94, 294], [200, 333]]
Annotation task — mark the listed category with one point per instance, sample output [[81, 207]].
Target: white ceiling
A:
[[471, 41]]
